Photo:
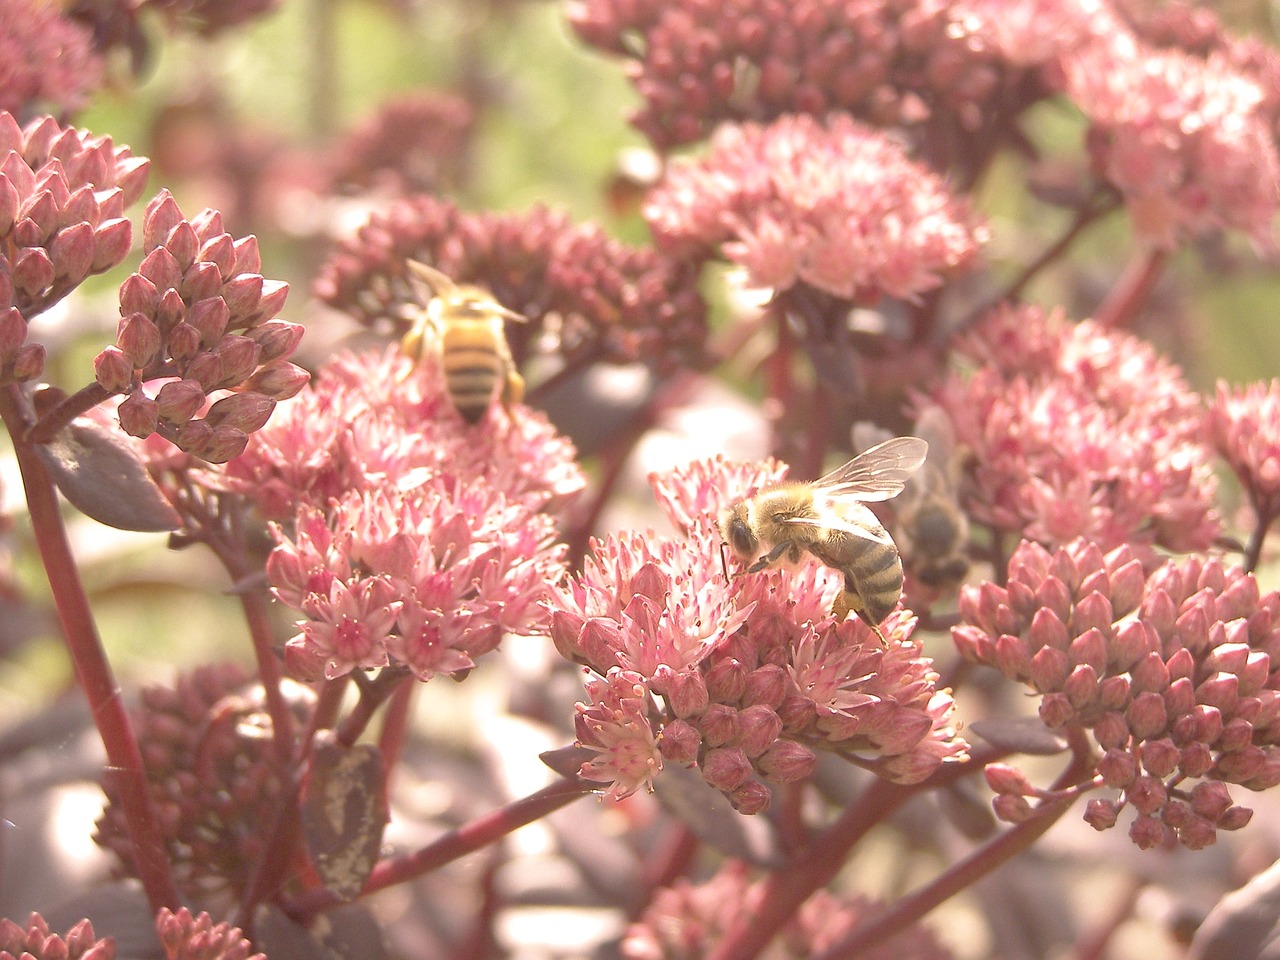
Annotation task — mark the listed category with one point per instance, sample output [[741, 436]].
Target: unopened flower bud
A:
[[183, 341], [1221, 691], [1147, 832], [239, 357], [1195, 760], [727, 680], [1011, 808], [277, 338], [280, 380], [760, 727], [1133, 640], [72, 250], [1150, 675], [1147, 794], [13, 332], [797, 713], [139, 415], [1127, 584], [112, 240], [1081, 687], [246, 412], [1197, 833], [161, 269], [751, 798], [787, 761], [193, 436], [1093, 612], [1048, 630], [180, 400], [1146, 715], [243, 293], [726, 768], [210, 317], [113, 370], [1118, 768], [1159, 611], [1054, 595], [1160, 757], [138, 295], [1176, 813], [1090, 648], [225, 443], [1237, 734], [1111, 730], [1180, 698], [1101, 814], [680, 742], [33, 271], [719, 724], [270, 303], [201, 281], [1012, 658], [1049, 669], [1235, 818], [205, 368], [1005, 778], [1021, 599], [1056, 710], [1241, 765], [1210, 799], [28, 362], [766, 686], [139, 338], [1113, 692]]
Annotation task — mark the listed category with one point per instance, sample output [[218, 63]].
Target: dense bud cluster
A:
[[594, 297], [36, 942], [185, 937], [1170, 671]]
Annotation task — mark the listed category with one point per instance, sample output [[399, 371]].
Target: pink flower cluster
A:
[[834, 205], [1245, 424], [741, 678], [47, 61], [37, 942], [199, 314], [185, 937], [1185, 139], [1171, 671], [415, 539], [1074, 430], [686, 921]]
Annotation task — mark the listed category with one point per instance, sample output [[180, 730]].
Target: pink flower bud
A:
[[1159, 611], [274, 295], [1150, 675], [1235, 818], [1197, 834], [244, 411], [161, 269], [1007, 621], [1196, 760], [1180, 697], [1101, 814], [1012, 658], [1176, 813], [112, 240], [600, 639], [679, 742], [1049, 669], [686, 694], [1269, 775], [1208, 723], [28, 362], [41, 210], [280, 380], [139, 338], [726, 768], [1254, 675], [1089, 648], [727, 680], [210, 316], [1011, 808], [1056, 710], [751, 798], [1210, 799], [1221, 691], [9, 202], [247, 258], [201, 281], [183, 342], [1048, 630], [13, 332], [1160, 757], [1113, 692], [225, 443], [1118, 768], [1127, 584], [113, 370], [205, 368], [1133, 640], [242, 293], [1147, 832], [1081, 687], [1236, 734], [1111, 731], [183, 243], [277, 338], [766, 686], [1147, 794], [221, 252], [179, 401], [1146, 715], [193, 436], [1030, 562], [798, 713], [161, 216], [1242, 765], [138, 295], [139, 414], [787, 761], [719, 724], [1021, 599], [760, 727], [1191, 629], [974, 643], [1092, 613], [33, 271], [1239, 599], [72, 251], [1005, 778], [239, 357]]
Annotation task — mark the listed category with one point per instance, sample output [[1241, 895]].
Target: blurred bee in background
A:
[[827, 520], [932, 529], [464, 328]]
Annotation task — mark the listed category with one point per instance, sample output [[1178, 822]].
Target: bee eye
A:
[[741, 539]]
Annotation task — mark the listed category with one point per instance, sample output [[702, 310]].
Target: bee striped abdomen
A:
[[472, 369], [877, 579]]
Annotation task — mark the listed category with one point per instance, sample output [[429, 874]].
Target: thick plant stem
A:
[[93, 671]]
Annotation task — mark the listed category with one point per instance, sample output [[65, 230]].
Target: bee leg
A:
[[512, 389], [769, 558], [846, 602]]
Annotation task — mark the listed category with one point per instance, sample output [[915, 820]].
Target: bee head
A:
[[737, 532]]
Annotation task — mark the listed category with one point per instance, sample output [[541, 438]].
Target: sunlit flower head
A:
[[834, 205], [47, 61], [1245, 424], [1074, 430]]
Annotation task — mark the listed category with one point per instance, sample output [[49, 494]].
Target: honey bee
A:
[[933, 528], [827, 519], [464, 327]]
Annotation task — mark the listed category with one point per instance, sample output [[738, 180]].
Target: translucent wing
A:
[[876, 474], [829, 522]]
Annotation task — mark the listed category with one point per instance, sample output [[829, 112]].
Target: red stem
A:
[[93, 671], [1131, 290]]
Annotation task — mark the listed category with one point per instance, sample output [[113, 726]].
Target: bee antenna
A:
[[724, 564]]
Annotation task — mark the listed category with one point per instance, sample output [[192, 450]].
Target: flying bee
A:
[[464, 327], [828, 520], [933, 528]]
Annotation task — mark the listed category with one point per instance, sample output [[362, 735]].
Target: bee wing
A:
[[829, 522], [876, 474]]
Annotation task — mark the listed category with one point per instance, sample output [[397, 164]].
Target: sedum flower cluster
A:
[[185, 937], [745, 678], [686, 921], [1170, 670], [36, 942], [1245, 426], [406, 536], [1073, 431]]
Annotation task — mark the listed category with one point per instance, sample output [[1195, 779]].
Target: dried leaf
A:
[[344, 812], [98, 470], [1019, 735]]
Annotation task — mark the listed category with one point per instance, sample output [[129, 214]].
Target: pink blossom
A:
[[47, 61], [1245, 424], [837, 206]]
